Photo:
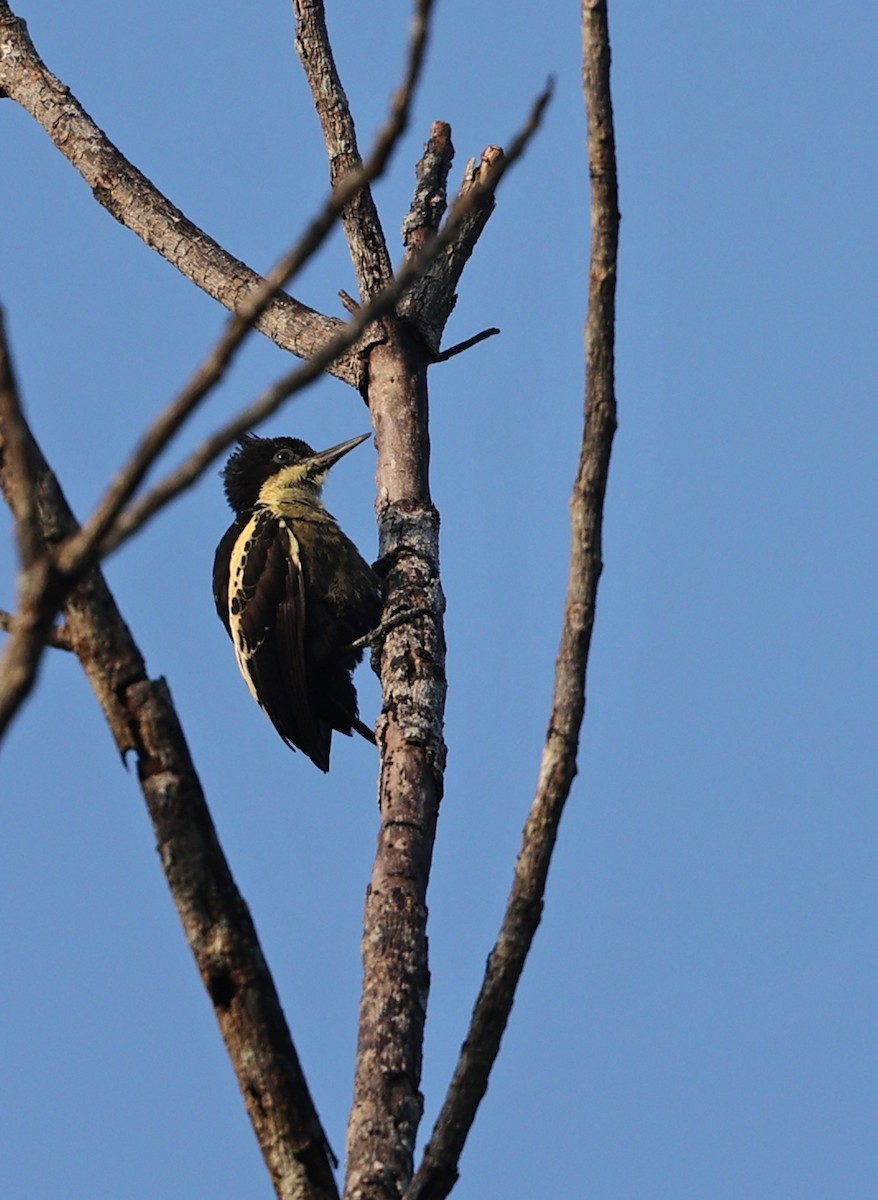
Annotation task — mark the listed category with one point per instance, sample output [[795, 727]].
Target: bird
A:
[[294, 592]]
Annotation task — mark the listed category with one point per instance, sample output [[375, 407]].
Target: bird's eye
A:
[[283, 456]]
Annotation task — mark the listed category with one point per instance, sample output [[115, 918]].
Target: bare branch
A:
[[362, 226], [215, 365], [38, 582], [58, 636], [387, 1101], [214, 915], [429, 302], [17, 467], [387, 1104], [378, 635], [478, 194], [462, 347], [438, 1171], [23, 651], [431, 188], [133, 200]]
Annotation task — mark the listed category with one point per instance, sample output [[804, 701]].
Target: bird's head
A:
[[264, 469]]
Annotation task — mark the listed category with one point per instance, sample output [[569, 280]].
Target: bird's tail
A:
[[364, 731]]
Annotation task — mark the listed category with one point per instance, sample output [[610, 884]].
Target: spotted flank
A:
[[252, 591]]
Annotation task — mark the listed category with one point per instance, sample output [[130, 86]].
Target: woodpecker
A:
[[294, 592]]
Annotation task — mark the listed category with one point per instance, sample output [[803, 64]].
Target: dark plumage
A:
[[294, 592]]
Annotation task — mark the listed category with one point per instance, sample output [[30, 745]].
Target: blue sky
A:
[[697, 1018]]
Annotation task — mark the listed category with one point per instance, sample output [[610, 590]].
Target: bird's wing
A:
[[266, 605], [221, 566]]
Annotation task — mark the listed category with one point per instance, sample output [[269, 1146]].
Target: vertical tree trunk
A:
[[387, 1100]]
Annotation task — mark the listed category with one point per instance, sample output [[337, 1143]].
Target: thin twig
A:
[[438, 1170], [477, 195], [212, 369], [461, 347], [378, 635]]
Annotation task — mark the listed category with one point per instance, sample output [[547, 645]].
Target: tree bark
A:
[[387, 1100], [215, 918], [135, 202], [438, 1171]]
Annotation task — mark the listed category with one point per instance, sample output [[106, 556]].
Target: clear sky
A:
[[698, 1016]]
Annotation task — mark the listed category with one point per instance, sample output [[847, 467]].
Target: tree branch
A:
[[429, 302], [38, 581], [387, 1101], [477, 196], [431, 189], [135, 202], [438, 1170], [214, 915], [212, 369], [57, 637], [466, 344], [362, 227]]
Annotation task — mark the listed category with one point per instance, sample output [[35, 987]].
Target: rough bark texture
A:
[[362, 227], [430, 301], [387, 1100], [389, 366], [215, 917], [438, 1171], [37, 579], [431, 190]]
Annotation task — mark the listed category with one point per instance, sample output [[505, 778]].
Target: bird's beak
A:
[[318, 463]]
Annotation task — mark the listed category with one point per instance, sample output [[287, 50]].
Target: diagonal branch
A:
[[438, 1170], [477, 197], [387, 1106], [429, 302], [212, 369], [38, 581], [362, 226], [57, 637], [214, 915], [133, 200]]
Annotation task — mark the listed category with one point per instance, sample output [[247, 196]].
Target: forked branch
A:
[[387, 1101], [467, 211], [344, 192], [438, 1170]]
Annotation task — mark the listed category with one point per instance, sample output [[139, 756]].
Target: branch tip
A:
[[460, 347]]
